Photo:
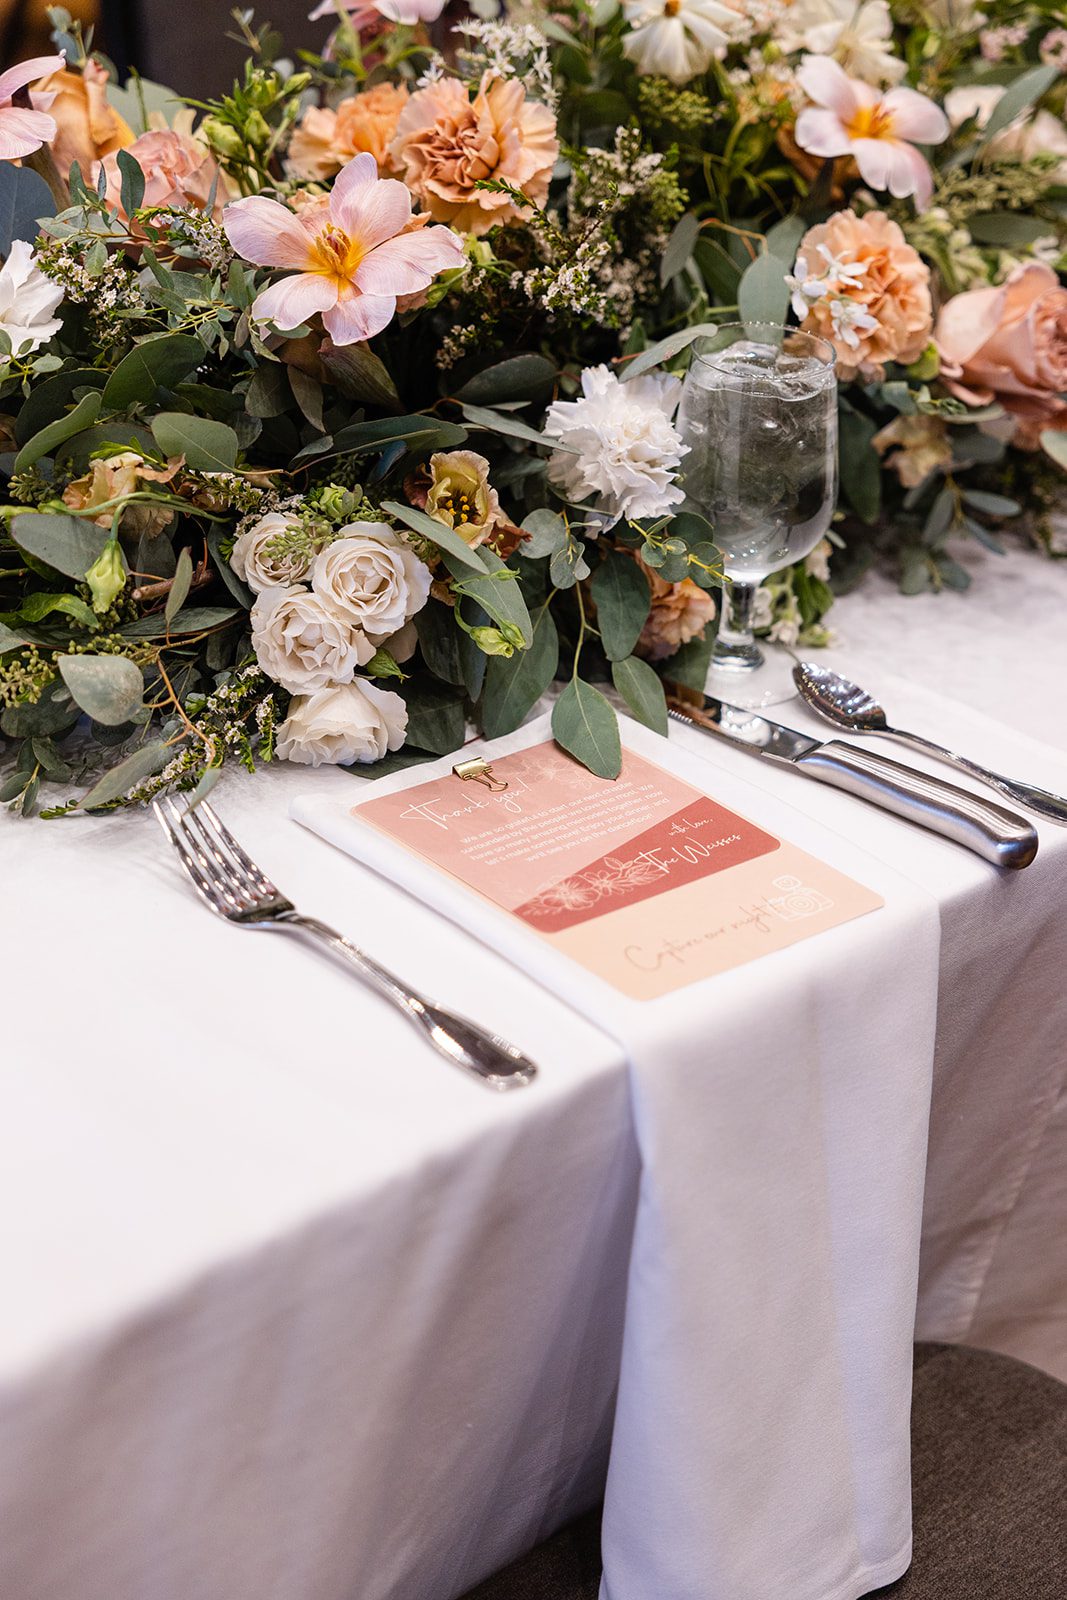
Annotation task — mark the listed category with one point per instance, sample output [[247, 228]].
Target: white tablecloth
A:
[[293, 1312]]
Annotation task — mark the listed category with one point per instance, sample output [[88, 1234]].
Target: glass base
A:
[[751, 675]]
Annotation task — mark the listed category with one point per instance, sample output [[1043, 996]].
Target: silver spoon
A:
[[848, 706]]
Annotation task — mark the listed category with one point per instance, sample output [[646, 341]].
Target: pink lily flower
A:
[[879, 129], [353, 254], [22, 131]]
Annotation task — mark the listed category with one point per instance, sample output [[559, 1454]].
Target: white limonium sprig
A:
[[28, 301], [622, 449]]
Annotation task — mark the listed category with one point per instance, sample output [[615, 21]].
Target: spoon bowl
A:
[[848, 706], [838, 699]]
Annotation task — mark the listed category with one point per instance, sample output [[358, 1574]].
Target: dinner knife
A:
[[999, 835]]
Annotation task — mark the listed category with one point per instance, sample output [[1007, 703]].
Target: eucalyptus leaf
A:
[[435, 715], [994, 505], [206, 445], [360, 374], [157, 362], [498, 592], [679, 247], [40, 605], [1054, 444], [547, 533], [240, 591], [623, 601], [1019, 97], [1008, 230], [439, 641], [68, 544], [268, 393], [513, 687], [417, 434], [48, 400], [860, 468], [108, 688], [139, 97], [525, 377], [511, 427], [54, 712], [45, 443], [586, 726], [642, 690], [132, 193], [198, 619], [665, 349], [180, 585], [24, 199], [145, 762], [763, 294], [438, 532]]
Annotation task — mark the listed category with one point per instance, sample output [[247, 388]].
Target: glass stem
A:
[[735, 645]]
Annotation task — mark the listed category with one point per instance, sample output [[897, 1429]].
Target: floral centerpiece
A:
[[338, 413]]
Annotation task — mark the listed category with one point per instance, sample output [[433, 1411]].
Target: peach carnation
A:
[[679, 612], [1009, 344], [859, 284], [446, 143], [179, 171], [326, 140]]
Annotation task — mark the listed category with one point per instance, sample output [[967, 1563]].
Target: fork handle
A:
[[1052, 806], [485, 1055]]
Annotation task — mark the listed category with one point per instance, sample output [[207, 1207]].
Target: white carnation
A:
[[625, 450], [372, 578], [302, 644], [355, 722], [28, 300], [677, 39], [255, 566]]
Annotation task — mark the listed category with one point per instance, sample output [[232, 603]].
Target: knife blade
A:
[[993, 832]]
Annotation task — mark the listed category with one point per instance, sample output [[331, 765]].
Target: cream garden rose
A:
[[302, 643], [372, 579], [256, 565], [352, 722]]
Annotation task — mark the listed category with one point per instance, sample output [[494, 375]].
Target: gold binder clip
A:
[[481, 772]]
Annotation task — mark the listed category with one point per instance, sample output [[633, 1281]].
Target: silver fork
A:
[[230, 884]]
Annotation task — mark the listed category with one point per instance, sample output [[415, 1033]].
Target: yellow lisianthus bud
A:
[[107, 576], [460, 495]]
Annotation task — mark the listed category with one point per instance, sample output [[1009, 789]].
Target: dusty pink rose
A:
[[446, 143], [1009, 344], [679, 612], [179, 171]]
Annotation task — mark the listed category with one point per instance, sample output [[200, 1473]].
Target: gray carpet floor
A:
[[989, 1461]]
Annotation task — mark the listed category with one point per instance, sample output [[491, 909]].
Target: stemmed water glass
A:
[[759, 415]]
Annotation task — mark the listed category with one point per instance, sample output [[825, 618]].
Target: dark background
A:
[[180, 43]]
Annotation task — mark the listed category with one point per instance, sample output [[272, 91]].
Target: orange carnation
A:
[[446, 143], [326, 140]]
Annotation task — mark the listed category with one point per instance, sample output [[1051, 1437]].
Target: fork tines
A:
[[222, 873]]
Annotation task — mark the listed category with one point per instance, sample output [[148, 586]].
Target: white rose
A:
[[354, 722], [302, 644], [28, 300], [372, 578], [255, 567]]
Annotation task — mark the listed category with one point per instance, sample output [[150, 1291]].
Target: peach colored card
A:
[[645, 881]]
